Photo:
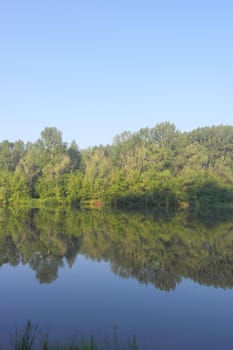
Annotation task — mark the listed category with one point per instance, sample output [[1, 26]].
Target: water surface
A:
[[166, 279]]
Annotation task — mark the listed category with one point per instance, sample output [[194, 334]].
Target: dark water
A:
[[166, 279]]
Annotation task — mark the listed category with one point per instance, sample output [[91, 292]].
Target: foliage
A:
[[154, 167]]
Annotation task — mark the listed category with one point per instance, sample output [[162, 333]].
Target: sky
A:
[[95, 68]]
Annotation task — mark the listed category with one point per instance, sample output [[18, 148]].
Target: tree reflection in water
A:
[[151, 248]]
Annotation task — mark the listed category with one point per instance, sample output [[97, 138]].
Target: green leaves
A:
[[158, 166]]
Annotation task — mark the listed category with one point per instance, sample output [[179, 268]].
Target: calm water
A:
[[167, 280]]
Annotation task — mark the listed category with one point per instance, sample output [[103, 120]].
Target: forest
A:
[[159, 167]]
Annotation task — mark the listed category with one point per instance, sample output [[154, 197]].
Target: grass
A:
[[32, 338]]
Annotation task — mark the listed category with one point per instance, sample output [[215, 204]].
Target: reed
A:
[[31, 337]]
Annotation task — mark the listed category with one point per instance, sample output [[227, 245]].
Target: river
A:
[[167, 279]]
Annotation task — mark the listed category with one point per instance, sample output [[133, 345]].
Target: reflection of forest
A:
[[154, 250]]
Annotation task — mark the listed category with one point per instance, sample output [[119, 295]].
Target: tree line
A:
[[154, 167]]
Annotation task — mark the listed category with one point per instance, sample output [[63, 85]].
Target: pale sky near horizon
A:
[[94, 69]]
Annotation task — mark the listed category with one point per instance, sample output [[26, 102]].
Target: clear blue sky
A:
[[94, 68]]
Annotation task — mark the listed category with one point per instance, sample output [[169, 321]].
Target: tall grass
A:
[[25, 339], [32, 338]]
